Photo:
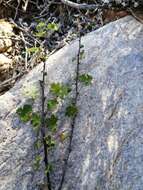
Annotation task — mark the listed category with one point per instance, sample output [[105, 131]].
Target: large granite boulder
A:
[[107, 143]]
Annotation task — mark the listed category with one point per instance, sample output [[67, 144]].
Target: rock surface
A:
[[5, 64], [107, 141], [6, 32]]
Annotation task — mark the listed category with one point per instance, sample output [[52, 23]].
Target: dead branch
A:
[[82, 6], [10, 81], [135, 15], [43, 133]]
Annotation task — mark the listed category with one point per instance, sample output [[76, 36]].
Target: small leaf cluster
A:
[[33, 50], [51, 122], [37, 162], [58, 91], [71, 110], [42, 28], [49, 168], [86, 79], [25, 112], [50, 141], [52, 104]]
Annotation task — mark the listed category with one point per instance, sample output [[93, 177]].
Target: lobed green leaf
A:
[[86, 79], [37, 161], [52, 122], [50, 141], [53, 27], [35, 120], [25, 112], [59, 90], [71, 110], [52, 104]]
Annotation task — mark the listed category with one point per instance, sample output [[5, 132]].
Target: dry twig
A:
[[83, 6], [43, 133], [135, 15]]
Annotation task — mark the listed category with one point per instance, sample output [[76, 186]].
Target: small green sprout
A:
[[59, 90], [37, 161], [41, 34], [52, 122], [37, 144], [25, 113], [33, 49], [40, 26], [71, 110], [53, 27], [52, 104], [86, 79], [50, 142], [35, 120], [48, 168], [42, 29]]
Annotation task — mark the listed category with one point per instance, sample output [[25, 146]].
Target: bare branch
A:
[[43, 132], [82, 6], [135, 15]]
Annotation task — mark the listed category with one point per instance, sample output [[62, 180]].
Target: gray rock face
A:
[[107, 144]]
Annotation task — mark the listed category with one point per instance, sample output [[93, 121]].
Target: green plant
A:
[[36, 121], [42, 28], [37, 161], [53, 26], [71, 110], [59, 90], [50, 141], [51, 122], [25, 112], [52, 104], [49, 168], [33, 50], [86, 79], [45, 124], [38, 144]]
